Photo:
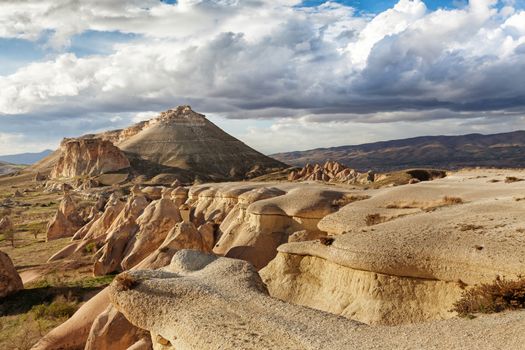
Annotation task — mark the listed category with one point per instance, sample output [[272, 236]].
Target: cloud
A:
[[262, 59]]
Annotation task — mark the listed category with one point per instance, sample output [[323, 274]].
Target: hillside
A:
[[447, 152], [6, 168], [25, 158], [179, 142]]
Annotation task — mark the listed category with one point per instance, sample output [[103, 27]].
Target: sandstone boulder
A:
[[265, 218], [10, 281], [112, 331]]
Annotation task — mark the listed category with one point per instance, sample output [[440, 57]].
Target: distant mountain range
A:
[[446, 152], [25, 158]]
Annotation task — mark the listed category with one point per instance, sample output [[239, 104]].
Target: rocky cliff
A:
[[88, 157]]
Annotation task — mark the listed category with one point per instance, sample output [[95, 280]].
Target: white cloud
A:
[[272, 59]]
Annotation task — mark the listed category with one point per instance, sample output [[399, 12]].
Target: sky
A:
[[280, 75]]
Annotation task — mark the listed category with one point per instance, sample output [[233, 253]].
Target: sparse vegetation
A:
[[495, 297], [426, 205], [341, 202], [126, 281], [91, 248], [326, 240], [511, 179], [469, 227], [60, 308], [375, 219], [28, 315]]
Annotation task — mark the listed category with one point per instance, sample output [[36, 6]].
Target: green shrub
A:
[[91, 248]]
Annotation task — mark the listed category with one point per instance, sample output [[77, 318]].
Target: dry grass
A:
[[60, 308], [326, 240], [347, 199], [28, 315], [375, 219], [469, 227], [426, 205], [495, 297], [125, 282], [512, 179], [63, 286]]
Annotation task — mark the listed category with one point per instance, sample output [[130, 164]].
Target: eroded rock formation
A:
[[388, 256], [179, 142], [67, 220], [331, 172], [204, 302], [256, 218], [88, 157], [405, 254], [10, 281], [120, 233], [154, 225]]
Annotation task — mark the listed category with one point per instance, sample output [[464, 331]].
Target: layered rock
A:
[[411, 265], [88, 157], [179, 142], [10, 281], [66, 220], [204, 302], [256, 218], [183, 139]]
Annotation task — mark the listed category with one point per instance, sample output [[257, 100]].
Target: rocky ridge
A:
[[331, 172]]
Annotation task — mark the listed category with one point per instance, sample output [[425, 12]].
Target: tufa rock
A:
[[330, 172], [88, 157], [66, 221], [10, 281]]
